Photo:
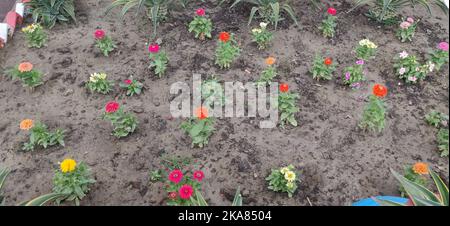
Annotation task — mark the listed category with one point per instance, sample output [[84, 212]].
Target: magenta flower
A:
[[200, 12], [360, 62], [186, 191], [175, 176], [99, 34], [347, 75], [128, 81], [443, 46], [199, 175], [153, 48]]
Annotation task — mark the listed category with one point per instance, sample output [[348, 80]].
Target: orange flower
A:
[[420, 168], [201, 113], [379, 90], [328, 61], [270, 61], [224, 37], [26, 124], [25, 67]]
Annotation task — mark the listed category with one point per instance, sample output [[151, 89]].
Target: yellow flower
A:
[[257, 30], [68, 165], [289, 176], [102, 76], [290, 185], [368, 44], [284, 170]]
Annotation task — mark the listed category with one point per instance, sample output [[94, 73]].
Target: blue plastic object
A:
[[371, 202]]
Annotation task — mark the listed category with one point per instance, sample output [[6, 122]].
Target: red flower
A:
[[112, 107], [175, 176], [331, 11], [99, 34], [379, 90], [201, 113], [128, 81], [186, 191], [200, 12], [154, 48], [199, 175], [172, 195], [284, 88], [328, 61], [224, 37]]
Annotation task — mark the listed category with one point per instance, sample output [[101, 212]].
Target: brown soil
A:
[[339, 163]]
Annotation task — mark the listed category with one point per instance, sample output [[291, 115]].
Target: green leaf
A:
[[42, 200]]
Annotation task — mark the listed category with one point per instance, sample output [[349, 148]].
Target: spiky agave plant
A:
[[3, 174], [419, 195], [199, 200], [48, 12], [386, 11]]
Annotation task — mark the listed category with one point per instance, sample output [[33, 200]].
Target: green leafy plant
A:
[[323, 68], [201, 26], [407, 29], [98, 83], [419, 195], [440, 57], [409, 69], [123, 123], [212, 92], [283, 180], [287, 106], [386, 11], [442, 140], [72, 180], [227, 50], [25, 72], [354, 75], [414, 176], [268, 10], [35, 35], [366, 49], [199, 130], [199, 200], [436, 119], [104, 42], [158, 60], [3, 174], [269, 73], [132, 86], [48, 12], [262, 36], [328, 26], [374, 113], [40, 136]]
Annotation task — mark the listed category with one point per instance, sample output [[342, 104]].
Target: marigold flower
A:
[[201, 113], [199, 175], [200, 12], [420, 168], [443, 46], [112, 107], [270, 61], [289, 176], [68, 165], [328, 61], [25, 67], [284, 87], [379, 90], [99, 34], [186, 191], [176, 176], [224, 36], [26, 124], [332, 11], [154, 48]]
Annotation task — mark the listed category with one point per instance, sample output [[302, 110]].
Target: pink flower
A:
[[175, 176], [153, 48], [331, 11], [360, 62], [403, 55], [199, 175], [412, 78], [443, 46], [347, 75], [200, 12], [112, 107], [99, 34], [172, 195], [128, 81], [410, 20], [405, 25], [186, 191], [402, 71]]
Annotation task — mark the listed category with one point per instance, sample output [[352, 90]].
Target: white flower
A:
[[403, 54], [402, 71], [431, 67], [263, 25], [412, 78]]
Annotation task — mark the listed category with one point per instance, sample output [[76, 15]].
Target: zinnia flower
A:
[[99, 34], [26, 124], [176, 176], [112, 107], [186, 191], [270, 61], [443, 46], [403, 54], [128, 81], [347, 75], [379, 90], [199, 175], [412, 78], [328, 61], [355, 85], [410, 20], [420, 168], [289, 176], [224, 37], [68, 165], [331, 11], [263, 25], [402, 71], [360, 62], [25, 67], [201, 113], [172, 195], [256, 30], [284, 87], [405, 25], [284, 170], [200, 12], [154, 48]]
